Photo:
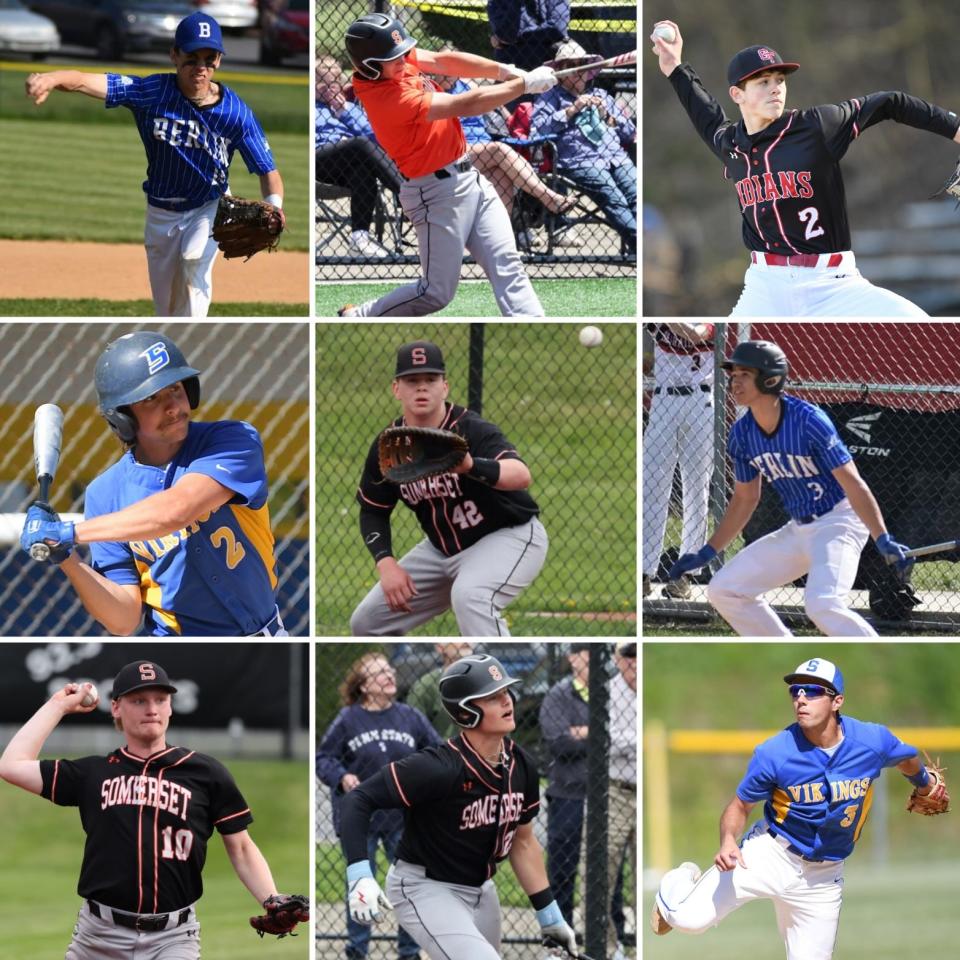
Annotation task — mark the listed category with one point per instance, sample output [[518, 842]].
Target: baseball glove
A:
[[952, 186], [245, 227], [412, 453], [938, 800], [284, 912]]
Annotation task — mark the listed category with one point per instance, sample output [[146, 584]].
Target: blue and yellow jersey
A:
[[818, 800], [216, 577]]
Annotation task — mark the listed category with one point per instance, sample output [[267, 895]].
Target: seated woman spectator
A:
[[348, 155], [502, 165], [590, 131]]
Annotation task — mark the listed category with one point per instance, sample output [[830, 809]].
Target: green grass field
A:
[[571, 413], [51, 307], [738, 686], [575, 297], [43, 846]]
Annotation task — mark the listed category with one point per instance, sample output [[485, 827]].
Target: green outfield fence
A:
[[357, 183], [569, 410], [588, 843]]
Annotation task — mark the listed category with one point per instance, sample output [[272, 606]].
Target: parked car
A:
[[230, 14], [284, 30], [22, 31], [115, 27]]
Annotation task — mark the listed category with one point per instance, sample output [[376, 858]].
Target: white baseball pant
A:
[[806, 895], [827, 550]]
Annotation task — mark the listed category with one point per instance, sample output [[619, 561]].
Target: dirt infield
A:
[[114, 271]]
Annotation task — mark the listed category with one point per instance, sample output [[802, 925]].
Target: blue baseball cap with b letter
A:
[[198, 32]]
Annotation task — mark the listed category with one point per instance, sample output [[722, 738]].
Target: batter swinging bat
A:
[[623, 60], [47, 434]]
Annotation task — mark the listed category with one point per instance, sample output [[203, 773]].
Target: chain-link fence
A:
[[570, 412], [541, 153], [576, 716], [253, 372], [892, 389]]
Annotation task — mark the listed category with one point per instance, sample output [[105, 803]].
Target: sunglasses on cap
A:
[[811, 690]]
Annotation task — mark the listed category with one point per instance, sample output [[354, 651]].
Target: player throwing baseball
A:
[[468, 805], [484, 541], [785, 168], [178, 528], [190, 127], [148, 810], [795, 447], [816, 779], [449, 203]]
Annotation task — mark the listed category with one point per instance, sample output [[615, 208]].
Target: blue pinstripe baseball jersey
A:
[[189, 148], [819, 800], [216, 577], [797, 458]]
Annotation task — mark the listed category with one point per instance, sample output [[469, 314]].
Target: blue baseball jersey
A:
[[189, 148], [819, 801], [797, 458], [217, 577]]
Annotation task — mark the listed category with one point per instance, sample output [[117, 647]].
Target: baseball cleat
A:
[[349, 310], [647, 588], [679, 589]]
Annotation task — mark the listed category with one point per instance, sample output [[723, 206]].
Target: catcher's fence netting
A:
[[892, 389], [581, 844], [570, 412], [253, 372], [362, 233]]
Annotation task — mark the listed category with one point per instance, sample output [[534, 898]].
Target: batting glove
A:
[[692, 561], [554, 928], [366, 901], [43, 525], [895, 553], [512, 71], [539, 81]]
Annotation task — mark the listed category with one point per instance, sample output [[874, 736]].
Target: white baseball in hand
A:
[[90, 697], [665, 32], [591, 336]]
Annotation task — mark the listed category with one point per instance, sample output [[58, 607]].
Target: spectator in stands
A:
[[502, 165], [526, 32], [425, 693], [371, 731], [349, 156], [590, 130]]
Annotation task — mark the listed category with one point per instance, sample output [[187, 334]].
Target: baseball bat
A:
[[552, 944], [47, 436], [622, 60], [944, 547]]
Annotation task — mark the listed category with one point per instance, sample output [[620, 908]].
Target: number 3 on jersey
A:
[[467, 516]]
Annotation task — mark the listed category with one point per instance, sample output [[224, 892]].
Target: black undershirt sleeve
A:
[[375, 530], [358, 806]]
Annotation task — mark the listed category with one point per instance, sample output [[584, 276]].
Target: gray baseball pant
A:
[[477, 583], [99, 938], [462, 210], [449, 920]]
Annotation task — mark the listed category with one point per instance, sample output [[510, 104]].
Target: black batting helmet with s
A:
[[374, 39], [471, 678], [766, 358]]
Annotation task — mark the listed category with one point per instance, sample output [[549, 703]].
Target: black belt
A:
[[812, 517], [461, 166], [796, 850], [682, 391], [144, 923]]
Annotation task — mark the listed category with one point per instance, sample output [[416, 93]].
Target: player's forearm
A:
[[76, 81], [734, 519], [271, 185], [526, 858], [251, 867], [865, 505], [732, 821], [694, 332], [115, 607], [484, 99], [455, 63], [28, 741]]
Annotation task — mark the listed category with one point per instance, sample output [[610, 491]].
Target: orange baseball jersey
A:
[[397, 110]]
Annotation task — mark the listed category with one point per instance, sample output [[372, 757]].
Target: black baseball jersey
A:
[[454, 510], [787, 176], [147, 823], [460, 812]]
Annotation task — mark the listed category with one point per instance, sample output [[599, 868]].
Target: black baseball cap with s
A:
[[420, 356], [756, 59], [139, 675]]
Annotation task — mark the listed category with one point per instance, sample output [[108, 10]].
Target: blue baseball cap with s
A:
[[198, 32]]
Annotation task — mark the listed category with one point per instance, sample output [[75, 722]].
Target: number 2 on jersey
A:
[[810, 216], [224, 536], [467, 516]]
